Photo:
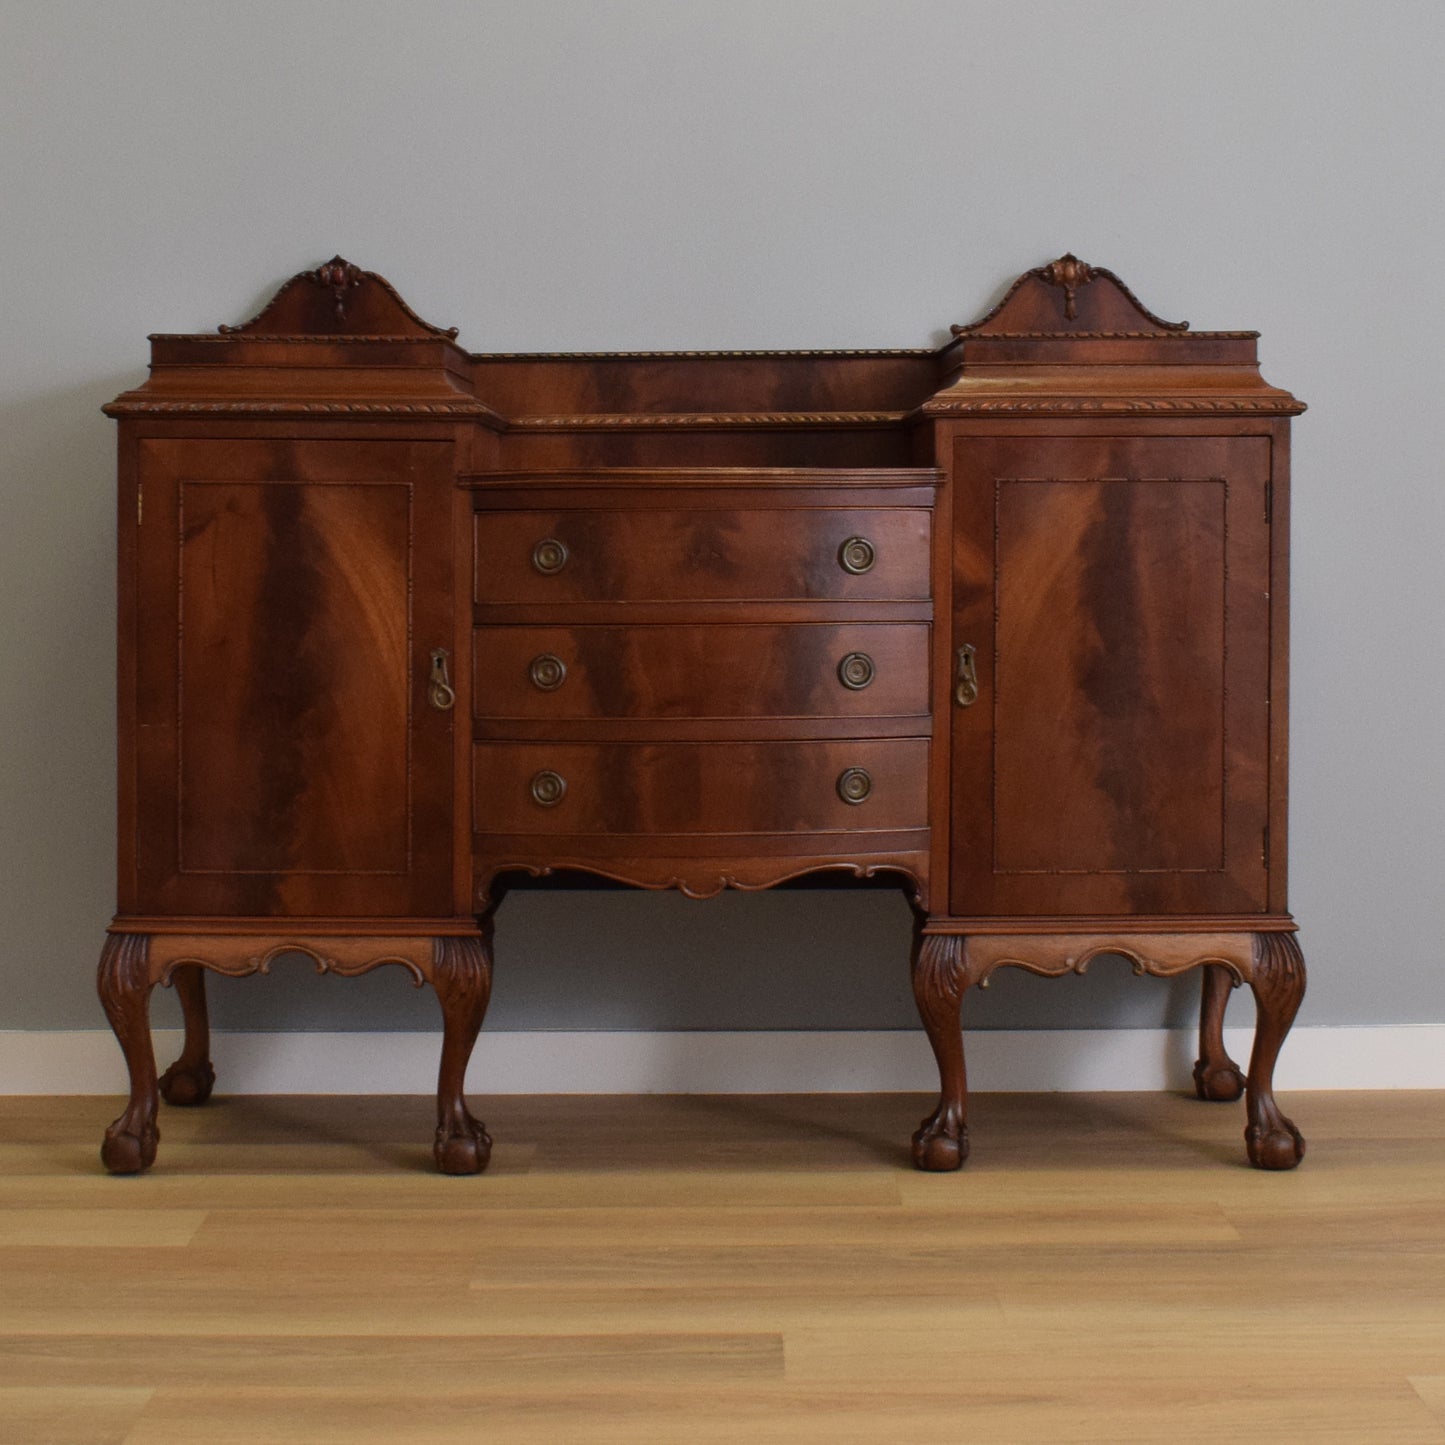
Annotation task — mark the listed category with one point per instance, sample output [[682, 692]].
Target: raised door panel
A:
[[289, 596], [1116, 593]]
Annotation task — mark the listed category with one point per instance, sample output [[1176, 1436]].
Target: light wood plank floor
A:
[[1106, 1268]]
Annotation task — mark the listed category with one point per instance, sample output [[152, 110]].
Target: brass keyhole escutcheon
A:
[[548, 672], [439, 690], [548, 788], [965, 691], [854, 784], [857, 556], [549, 556], [856, 671]]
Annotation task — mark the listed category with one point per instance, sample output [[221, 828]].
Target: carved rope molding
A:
[[292, 338], [1110, 406], [1110, 335], [299, 408], [758, 353], [610, 421]]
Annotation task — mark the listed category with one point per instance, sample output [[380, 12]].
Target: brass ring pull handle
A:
[[439, 690], [965, 692], [548, 672], [548, 788], [856, 671], [549, 556], [857, 555], [854, 784]]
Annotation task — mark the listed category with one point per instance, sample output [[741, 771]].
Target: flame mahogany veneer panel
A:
[[291, 591], [702, 554], [654, 789], [1117, 758], [660, 671]]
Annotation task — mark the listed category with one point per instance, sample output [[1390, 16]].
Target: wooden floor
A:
[[1106, 1268]]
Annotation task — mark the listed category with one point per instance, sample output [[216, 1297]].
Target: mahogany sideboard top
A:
[[1004, 621]]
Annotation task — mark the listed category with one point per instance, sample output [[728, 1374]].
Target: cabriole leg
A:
[[1279, 985], [124, 983], [190, 1079], [941, 1142], [1216, 1075], [462, 976]]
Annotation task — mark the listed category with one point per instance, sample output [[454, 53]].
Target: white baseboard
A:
[[1062, 1060]]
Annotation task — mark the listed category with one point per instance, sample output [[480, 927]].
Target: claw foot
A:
[[1280, 1146], [186, 1087], [940, 1144], [1220, 1083], [123, 1152], [464, 1152]]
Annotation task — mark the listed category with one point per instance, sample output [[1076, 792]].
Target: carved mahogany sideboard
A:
[[1004, 620]]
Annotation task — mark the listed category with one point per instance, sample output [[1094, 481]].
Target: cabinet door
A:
[[1116, 593], [288, 596]]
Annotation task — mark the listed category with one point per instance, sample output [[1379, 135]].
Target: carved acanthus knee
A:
[[461, 973], [939, 979], [1278, 981], [124, 981]]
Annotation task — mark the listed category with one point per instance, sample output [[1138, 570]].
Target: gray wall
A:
[[789, 173]]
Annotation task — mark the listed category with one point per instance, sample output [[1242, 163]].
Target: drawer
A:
[[714, 788], [709, 671], [703, 555]]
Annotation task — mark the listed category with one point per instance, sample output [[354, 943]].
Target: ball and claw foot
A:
[[124, 1152], [187, 1087], [464, 1152], [1280, 1146], [940, 1144], [1221, 1083]]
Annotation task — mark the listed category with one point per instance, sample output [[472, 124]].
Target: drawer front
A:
[[715, 788], [715, 671], [703, 555]]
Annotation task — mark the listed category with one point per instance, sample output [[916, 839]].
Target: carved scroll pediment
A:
[[1069, 296], [338, 299]]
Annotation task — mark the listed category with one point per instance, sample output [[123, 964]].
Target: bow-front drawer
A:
[[704, 554], [799, 670], [696, 788]]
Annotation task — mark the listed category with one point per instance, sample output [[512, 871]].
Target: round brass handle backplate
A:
[[854, 784], [549, 556], [857, 556], [548, 788], [548, 672], [856, 671]]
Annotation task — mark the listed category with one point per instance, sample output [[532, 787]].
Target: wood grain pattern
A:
[[651, 673], [321, 574], [1121, 645], [288, 761], [1004, 621], [657, 790], [700, 555], [655, 1268]]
